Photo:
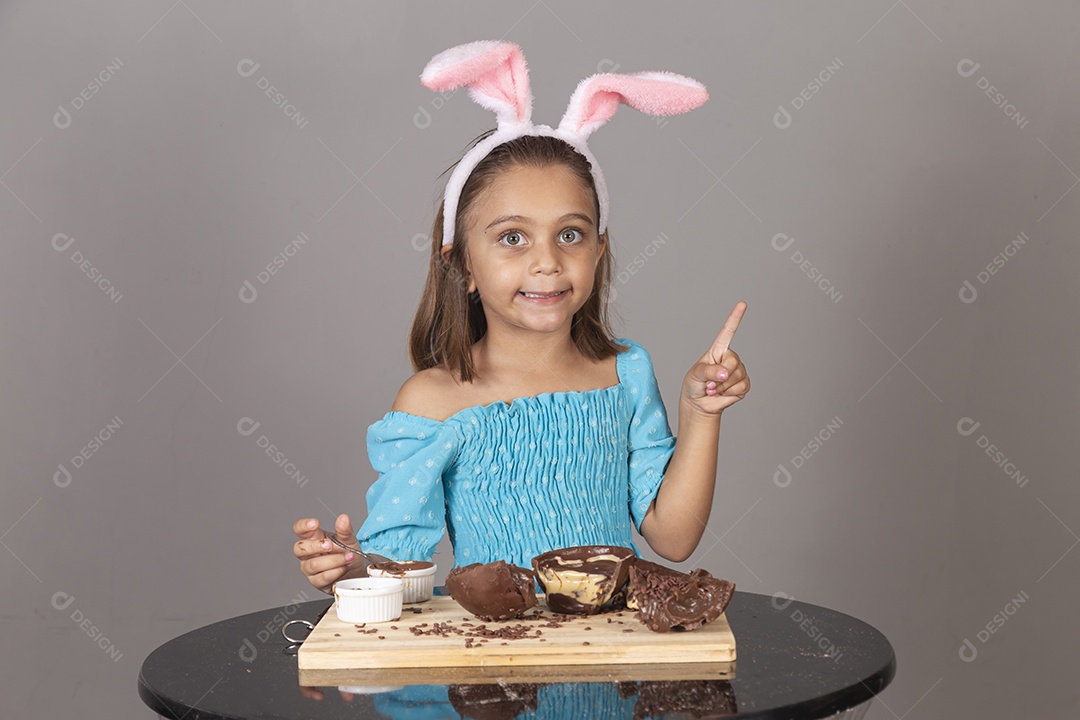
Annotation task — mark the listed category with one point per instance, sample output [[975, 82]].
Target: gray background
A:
[[898, 180]]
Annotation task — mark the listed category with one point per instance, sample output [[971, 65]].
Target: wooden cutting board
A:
[[335, 648]]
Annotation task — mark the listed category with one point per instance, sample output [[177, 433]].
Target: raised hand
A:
[[321, 561], [718, 380]]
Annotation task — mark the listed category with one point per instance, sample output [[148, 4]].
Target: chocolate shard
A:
[[667, 599], [492, 591], [580, 580]]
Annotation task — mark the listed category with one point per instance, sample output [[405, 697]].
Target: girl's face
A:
[[533, 234]]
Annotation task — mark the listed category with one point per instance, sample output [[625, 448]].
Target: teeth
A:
[[540, 295]]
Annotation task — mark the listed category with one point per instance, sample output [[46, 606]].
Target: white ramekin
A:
[[419, 584], [368, 600]]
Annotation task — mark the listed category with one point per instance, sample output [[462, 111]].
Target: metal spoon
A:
[[374, 559]]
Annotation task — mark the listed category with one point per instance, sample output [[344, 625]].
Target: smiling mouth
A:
[[541, 295]]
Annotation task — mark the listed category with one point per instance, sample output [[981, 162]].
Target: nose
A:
[[545, 259]]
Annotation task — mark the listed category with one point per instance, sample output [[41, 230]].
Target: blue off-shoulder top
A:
[[510, 481]]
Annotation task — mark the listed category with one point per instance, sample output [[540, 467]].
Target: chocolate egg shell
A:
[[647, 566], [494, 701], [492, 591], [667, 599], [581, 579]]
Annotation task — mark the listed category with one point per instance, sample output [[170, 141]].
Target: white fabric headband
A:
[[497, 78]]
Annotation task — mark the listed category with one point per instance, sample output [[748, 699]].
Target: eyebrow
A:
[[522, 218]]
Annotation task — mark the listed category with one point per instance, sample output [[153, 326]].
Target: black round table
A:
[[794, 660]]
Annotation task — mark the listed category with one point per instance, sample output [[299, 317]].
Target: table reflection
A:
[[504, 701]]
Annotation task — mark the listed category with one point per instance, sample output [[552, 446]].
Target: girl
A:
[[527, 425]]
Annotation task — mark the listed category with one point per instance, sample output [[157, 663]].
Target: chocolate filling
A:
[[667, 599], [393, 567], [492, 591], [580, 580]]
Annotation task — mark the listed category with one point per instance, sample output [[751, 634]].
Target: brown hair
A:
[[448, 320]]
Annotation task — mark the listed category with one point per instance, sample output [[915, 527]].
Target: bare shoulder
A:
[[429, 393]]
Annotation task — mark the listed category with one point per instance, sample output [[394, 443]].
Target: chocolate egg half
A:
[[492, 591], [667, 599], [580, 579]]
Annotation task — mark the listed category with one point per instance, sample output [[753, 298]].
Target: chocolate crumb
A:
[[393, 627], [585, 643], [382, 637], [588, 628], [337, 634]]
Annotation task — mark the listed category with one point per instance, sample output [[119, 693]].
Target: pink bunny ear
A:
[[494, 72], [597, 97]]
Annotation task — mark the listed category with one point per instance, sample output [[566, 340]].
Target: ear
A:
[[597, 97], [445, 250], [494, 73]]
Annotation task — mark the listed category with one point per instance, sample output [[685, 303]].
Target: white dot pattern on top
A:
[[509, 481]]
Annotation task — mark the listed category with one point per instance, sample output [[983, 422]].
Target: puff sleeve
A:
[[406, 509], [650, 442]]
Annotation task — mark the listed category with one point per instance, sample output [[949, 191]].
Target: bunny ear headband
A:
[[496, 77]]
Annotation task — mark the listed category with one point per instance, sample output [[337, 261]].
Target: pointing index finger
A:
[[720, 345]]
